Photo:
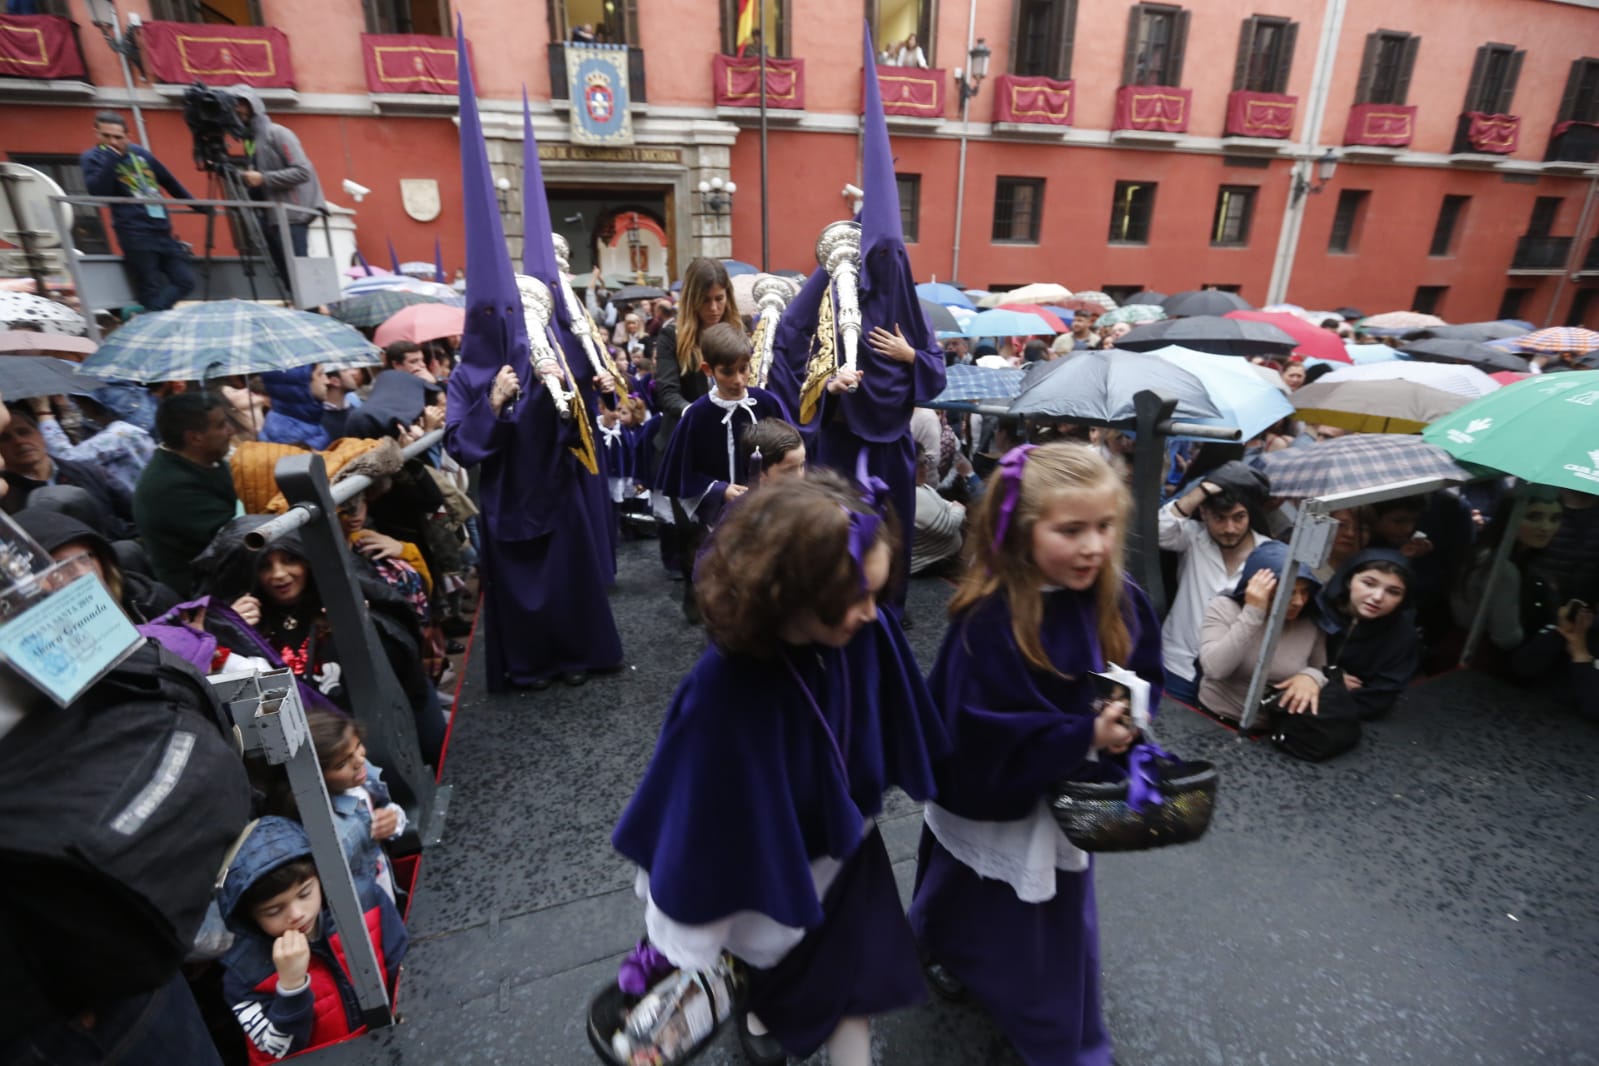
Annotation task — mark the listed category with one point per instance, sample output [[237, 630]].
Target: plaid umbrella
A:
[[966, 385], [224, 338], [1560, 339], [1132, 314], [374, 308], [1349, 464], [1204, 302], [26, 309], [1092, 300], [442, 293], [23, 376], [1397, 322], [1375, 406]]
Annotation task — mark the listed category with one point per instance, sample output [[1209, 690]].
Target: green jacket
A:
[[179, 505]]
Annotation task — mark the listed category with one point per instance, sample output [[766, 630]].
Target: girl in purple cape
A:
[[1004, 904], [753, 828]]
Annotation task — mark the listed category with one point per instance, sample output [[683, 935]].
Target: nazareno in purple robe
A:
[[1017, 732], [744, 793]]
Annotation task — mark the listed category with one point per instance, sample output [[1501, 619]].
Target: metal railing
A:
[[1541, 253], [558, 75]]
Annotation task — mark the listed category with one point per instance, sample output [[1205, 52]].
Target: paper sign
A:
[[69, 640]]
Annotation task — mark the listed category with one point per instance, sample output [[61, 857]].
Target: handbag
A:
[[1160, 801]]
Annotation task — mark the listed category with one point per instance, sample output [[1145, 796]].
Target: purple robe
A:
[[695, 466], [742, 796], [1017, 732]]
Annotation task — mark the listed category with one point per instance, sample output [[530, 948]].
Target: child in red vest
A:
[[286, 976]]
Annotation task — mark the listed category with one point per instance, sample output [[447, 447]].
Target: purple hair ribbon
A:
[[1143, 787], [1010, 486], [642, 968]]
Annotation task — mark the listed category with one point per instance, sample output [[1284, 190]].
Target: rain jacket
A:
[[289, 177], [1386, 653], [296, 415], [139, 176], [279, 1024]]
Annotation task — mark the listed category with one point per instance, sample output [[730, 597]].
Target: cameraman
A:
[[277, 169], [157, 264]]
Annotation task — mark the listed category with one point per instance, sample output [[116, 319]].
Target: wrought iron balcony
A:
[[560, 88], [1541, 254]]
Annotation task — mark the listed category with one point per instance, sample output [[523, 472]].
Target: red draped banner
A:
[[1034, 99], [1381, 125], [738, 82], [1252, 114], [180, 52], [410, 63], [911, 91], [38, 46], [1153, 107], [1493, 134]]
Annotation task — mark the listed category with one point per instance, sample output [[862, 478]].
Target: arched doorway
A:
[[631, 246]]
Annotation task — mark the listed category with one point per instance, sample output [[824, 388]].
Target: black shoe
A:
[[944, 983], [454, 647], [574, 678], [906, 622], [536, 685], [762, 1050]]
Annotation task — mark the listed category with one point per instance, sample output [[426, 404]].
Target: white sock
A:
[[757, 1027], [851, 1043]]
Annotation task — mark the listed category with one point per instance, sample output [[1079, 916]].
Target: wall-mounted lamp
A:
[[716, 196], [854, 195], [502, 190], [1326, 166], [103, 13], [972, 80]]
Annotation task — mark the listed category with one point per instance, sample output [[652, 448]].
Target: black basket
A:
[[1095, 816], [608, 1011]]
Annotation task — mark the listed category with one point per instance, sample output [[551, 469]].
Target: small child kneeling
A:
[[286, 977]]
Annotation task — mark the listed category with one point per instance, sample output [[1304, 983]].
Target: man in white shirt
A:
[[1209, 526]]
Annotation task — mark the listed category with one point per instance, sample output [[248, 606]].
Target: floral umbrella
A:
[[1132, 314]]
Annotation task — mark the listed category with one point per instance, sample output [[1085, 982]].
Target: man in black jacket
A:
[[28, 466]]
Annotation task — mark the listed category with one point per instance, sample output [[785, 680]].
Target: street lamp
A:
[[716, 195], [976, 73], [502, 190], [1326, 166]]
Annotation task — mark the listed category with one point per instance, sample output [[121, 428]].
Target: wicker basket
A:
[[1095, 815]]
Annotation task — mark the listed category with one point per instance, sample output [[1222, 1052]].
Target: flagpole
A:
[[766, 219]]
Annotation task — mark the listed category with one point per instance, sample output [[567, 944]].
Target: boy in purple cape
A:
[[753, 827], [899, 362], [548, 552], [1004, 904]]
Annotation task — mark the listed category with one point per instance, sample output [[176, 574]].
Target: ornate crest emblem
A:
[[420, 198], [598, 97]]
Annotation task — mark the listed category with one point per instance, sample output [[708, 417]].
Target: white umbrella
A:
[[1449, 377], [26, 309], [1039, 292]]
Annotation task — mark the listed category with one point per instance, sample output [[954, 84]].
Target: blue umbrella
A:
[[965, 385], [735, 267], [999, 323], [225, 338], [939, 293], [1066, 314], [1240, 392]]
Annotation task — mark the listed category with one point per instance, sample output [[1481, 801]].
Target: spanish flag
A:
[[746, 23]]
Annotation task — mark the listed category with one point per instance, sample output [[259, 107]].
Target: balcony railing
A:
[[1380, 125], [1477, 133], [1541, 253], [1590, 262], [559, 89], [1573, 142], [737, 82]]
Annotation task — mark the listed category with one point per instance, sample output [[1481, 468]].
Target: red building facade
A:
[[1111, 145]]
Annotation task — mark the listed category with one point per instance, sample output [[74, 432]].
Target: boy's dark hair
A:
[[269, 884], [724, 346], [396, 352], [1224, 500], [183, 413], [773, 437], [110, 118]]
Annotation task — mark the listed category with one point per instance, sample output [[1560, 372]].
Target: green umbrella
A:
[[1544, 430]]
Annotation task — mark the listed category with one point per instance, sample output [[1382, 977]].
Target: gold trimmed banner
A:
[[410, 63], [181, 52]]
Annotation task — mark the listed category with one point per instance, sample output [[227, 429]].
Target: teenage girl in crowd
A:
[[1004, 904]]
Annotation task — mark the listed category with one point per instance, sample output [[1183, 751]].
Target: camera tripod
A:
[[225, 182]]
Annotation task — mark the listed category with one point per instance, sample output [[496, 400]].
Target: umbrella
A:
[[1244, 398], [1099, 385], [735, 267], [416, 268], [1313, 341], [1350, 314], [1370, 353], [23, 376], [998, 323], [1146, 298], [1541, 430], [1208, 333], [1204, 302], [372, 308], [420, 323], [1349, 464], [366, 270], [940, 317], [223, 338], [28, 342], [1092, 300], [940, 293], [1471, 353], [1559, 339], [1398, 322], [1039, 292], [26, 309], [1056, 324], [1375, 406], [965, 385], [1471, 331], [1132, 314], [1510, 377], [637, 292], [1465, 381]]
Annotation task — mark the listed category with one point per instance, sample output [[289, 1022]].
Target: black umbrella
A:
[[1099, 386], [1148, 296], [637, 292], [22, 376], [1470, 331], [1204, 302], [1351, 313], [939, 316], [1207, 333], [1472, 353]]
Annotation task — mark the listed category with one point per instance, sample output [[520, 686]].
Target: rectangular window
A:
[[910, 205], [1219, 286], [1443, 234], [1582, 304], [1429, 298], [1131, 211], [1346, 221], [601, 21], [1386, 67], [1121, 293], [1042, 35], [1580, 102], [1235, 207], [775, 36], [1510, 306], [1493, 79], [430, 17], [1265, 54], [1157, 35], [904, 31], [1018, 203], [88, 227], [216, 12], [1545, 210]]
